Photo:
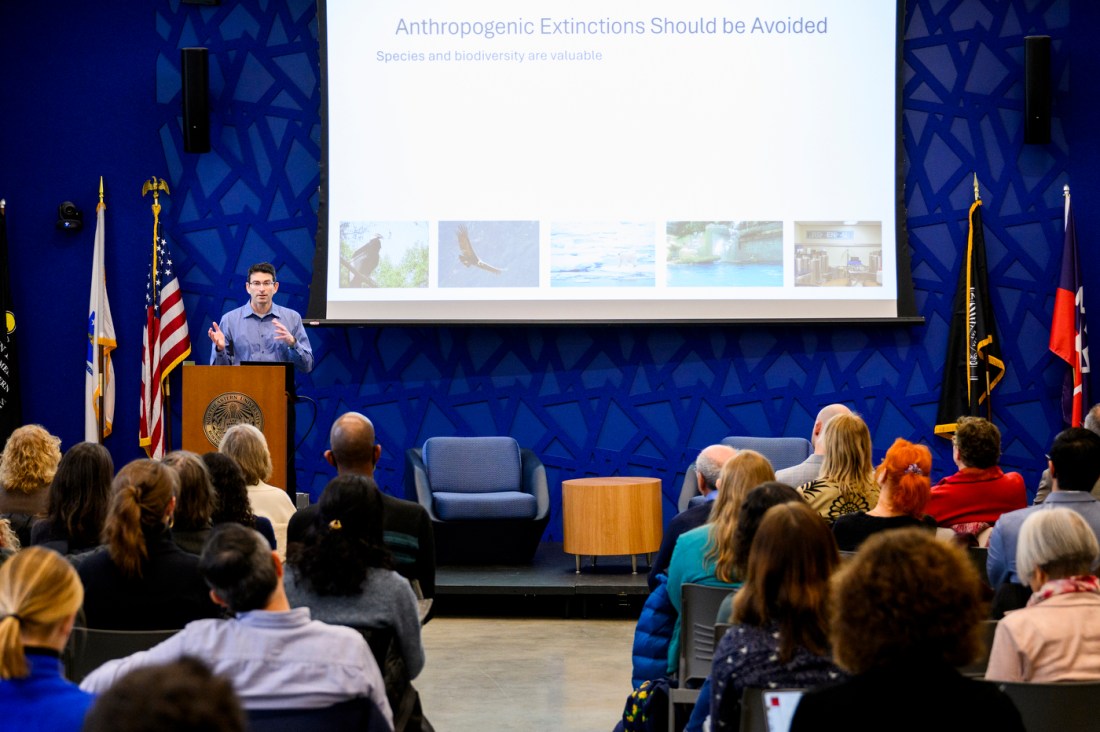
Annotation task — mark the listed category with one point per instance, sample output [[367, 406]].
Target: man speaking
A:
[[261, 330]]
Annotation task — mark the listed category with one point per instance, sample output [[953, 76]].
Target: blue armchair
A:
[[781, 452], [487, 497]]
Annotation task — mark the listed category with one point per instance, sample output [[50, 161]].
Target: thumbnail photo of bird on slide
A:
[[383, 254], [469, 254]]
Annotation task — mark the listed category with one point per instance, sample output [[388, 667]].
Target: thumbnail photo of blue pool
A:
[[488, 253], [611, 254], [725, 253]]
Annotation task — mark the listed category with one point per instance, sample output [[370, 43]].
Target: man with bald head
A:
[[353, 450], [708, 466], [810, 468]]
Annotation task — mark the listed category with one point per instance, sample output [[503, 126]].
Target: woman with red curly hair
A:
[[904, 487]]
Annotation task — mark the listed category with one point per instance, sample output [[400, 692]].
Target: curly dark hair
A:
[[345, 539], [906, 597], [79, 494], [978, 441], [232, 505], [756, 504]]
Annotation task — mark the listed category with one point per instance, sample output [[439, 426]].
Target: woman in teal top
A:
[[706, 555]]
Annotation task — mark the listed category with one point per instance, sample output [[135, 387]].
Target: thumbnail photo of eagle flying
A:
[[468, 256]]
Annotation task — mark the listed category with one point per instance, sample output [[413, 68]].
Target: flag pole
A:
[[101, 401], [156, 185]]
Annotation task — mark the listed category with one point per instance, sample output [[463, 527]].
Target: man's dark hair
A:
[[265, 267], [1075, 455], [237, 565], [181, 696]]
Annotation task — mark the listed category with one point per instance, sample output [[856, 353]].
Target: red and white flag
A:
[[165, 343], [1069, 332]]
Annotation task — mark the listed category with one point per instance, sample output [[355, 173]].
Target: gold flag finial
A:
[[156, 185], [101, 204]]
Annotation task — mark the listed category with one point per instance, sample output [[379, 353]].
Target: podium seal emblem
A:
[[226, 410]]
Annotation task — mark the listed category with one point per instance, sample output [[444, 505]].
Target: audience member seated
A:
[[9, 542], [1091, 423], [972, 499], [248, 446], [40, 595], [342, 572], [195, 506], [275, 657], [708, 466], [810, 468], [779, 635], [903, 491], [141, 580], [231, 504], [847, 482], [705, 555], [1074, 468], [904, 613], [1057, 636], [407, 525], [182, 696], [27, 465], [77, 500]]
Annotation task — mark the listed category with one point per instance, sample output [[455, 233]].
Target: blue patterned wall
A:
[[624, 399]]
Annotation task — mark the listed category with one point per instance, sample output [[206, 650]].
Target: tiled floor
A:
[[501, 674]]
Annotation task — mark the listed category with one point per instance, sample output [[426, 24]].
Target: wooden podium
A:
[[217, 397]]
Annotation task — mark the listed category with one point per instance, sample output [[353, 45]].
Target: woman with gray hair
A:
[[1057, 636], [248, 446]]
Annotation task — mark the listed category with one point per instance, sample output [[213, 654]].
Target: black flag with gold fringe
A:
[[974, 364], [11, 408]]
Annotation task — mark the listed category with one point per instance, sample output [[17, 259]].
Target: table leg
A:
[[578, 558], [593, 561], [634, 564]]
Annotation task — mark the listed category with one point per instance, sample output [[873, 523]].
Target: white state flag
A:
[[101, 332]]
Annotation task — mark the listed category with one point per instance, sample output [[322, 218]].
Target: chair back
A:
[[90, 648], [473, 464], [698, 609], [977, 669], [355, 715], [781, 452], [768, 710], [1065, 706]]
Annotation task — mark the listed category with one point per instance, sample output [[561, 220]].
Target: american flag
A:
[[164, 344]]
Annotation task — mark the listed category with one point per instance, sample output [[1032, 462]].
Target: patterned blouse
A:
[[825, 497], [747, 657]]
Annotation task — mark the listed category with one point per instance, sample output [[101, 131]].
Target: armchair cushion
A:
[[504, 504], [476, 465]]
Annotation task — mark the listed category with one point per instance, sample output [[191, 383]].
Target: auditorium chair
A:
[[1065, 706], [698, 609], [487, 497], [90, 648], [355, 715], [781, 452]]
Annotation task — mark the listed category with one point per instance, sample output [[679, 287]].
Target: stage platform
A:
[[549, 584]]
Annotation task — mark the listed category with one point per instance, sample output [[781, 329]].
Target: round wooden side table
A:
[[611, 517]]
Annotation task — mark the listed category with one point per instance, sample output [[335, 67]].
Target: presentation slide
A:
[[605, 160]]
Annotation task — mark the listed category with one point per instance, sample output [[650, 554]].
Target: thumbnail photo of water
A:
[[383, 254], [488, 253], [725, 253], [610, 254]]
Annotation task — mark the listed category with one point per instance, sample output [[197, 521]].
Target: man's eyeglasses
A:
[[265, 283]]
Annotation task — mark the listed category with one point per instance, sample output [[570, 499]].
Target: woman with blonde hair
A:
[[40, 595], [904, 487], [846, 482], [248, 446], [706, 555], [27, 465], [1057, 636], [141, 580]]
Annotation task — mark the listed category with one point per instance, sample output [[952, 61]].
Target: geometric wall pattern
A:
[[635, 399]]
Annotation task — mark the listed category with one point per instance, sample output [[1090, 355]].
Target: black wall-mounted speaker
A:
[[196, 100], [1037, 90]]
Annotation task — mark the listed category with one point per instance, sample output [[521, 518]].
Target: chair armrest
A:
[[534, 481], [416, 481]]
